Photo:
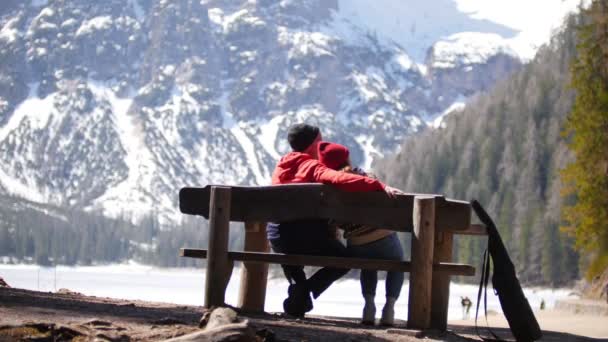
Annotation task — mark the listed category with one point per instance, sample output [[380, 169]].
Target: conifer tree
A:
[[586, 179]]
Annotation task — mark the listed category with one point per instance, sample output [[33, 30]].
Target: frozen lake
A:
[[186, 286]]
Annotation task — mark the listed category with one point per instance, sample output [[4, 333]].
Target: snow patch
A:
[[469, 48], [243, 139], [369, 151], [69, 22], [35, 110], [139, 160], [46, 12], [304, 43], [268, 136], [404, 61], [249, 149], [168, 70], [438, 121], [372, 84], [9, 32], [230, 22], [103, 22], [14, 187], [216, 16]]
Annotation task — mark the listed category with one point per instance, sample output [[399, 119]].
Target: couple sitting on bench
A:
[[315, 161]]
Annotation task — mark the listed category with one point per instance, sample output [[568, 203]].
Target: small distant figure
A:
[[542, 304], [466, 306]]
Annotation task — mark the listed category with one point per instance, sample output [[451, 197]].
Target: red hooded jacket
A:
[[298, 167]]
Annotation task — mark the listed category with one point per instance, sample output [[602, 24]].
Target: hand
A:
[[392, 192]]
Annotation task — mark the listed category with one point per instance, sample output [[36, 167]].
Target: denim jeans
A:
[[387, 248], [308, 238]]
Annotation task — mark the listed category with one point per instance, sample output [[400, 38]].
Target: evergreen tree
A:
[[586, 178]]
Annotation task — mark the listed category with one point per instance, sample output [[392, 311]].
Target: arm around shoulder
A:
[[345, 181]]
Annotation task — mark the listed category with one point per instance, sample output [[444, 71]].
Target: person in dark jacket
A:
[[311, 237]]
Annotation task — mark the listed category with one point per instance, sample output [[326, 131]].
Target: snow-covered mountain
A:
[[115, 105]]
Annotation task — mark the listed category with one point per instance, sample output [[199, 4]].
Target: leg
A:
[[323, 278], [303, 237], [294, 274], [369, 280], [298, 300], [394, 280], [388, 248]]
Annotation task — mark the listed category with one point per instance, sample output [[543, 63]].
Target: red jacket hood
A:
[[290, 168]]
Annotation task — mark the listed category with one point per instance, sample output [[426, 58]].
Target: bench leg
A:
[[441, 282], [254, 276], [421, 276], [219, 267]]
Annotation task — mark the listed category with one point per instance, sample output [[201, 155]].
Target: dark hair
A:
[[301, 135]]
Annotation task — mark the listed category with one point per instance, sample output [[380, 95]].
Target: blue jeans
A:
[[387, 248]]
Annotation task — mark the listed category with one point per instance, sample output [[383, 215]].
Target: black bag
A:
[[514, 304]]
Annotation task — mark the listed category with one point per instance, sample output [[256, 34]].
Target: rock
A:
[[98, 323], [66, 333], [3, 283], [234, 332], [218, 317], [39, 332], [113, 338], [221, 324], [68, 291]]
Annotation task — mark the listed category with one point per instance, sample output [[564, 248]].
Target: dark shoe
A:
[[298, 301]]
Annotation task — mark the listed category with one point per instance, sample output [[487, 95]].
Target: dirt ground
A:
[[71, 316]]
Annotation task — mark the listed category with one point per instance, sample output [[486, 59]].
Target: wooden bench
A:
[[432, 220]]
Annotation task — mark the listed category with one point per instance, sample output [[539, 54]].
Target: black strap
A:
[[483, 286]]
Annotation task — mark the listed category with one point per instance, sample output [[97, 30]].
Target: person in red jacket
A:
[[311, 237]]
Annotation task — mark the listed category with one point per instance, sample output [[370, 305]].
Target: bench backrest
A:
[[312, 201]]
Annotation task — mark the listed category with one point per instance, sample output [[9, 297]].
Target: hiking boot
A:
[[298, 300]]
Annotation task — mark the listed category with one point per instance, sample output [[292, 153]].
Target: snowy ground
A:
[[185, 286]]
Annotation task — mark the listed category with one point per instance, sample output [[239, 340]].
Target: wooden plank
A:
[[323, 261], [370, 208], [259, 203], [309, 201], [421, 275], [440, 292], [254, 276], [475, 229], [219, 267], [452, 215]]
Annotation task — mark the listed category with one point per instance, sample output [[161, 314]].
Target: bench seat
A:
[[338, 262]]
